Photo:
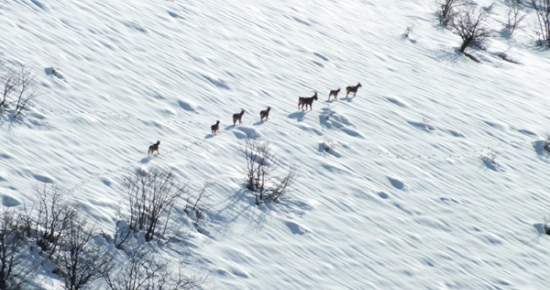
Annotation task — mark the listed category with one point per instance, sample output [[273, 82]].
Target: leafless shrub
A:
[[279, 188], [447, 11], [13, 272], [151, 197], [8, 82], [50, 219], [514, 17], [261, 163], [471, 26], [80, 259], [19, 88], [546, 145], [542, 9], [195, 206], [143, 271]]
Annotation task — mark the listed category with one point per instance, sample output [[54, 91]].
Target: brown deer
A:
[[334, 93], [238, 117], [153, 148], [215, 128], [307, 101], [352, 89], [265, 114]]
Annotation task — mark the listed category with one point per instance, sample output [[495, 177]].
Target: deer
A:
[[334, 93], [352, 89], [265, 114], [153, 148], [307, 101], [215, 128], [238, 117]]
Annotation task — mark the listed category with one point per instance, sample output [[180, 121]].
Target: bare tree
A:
[[50, 218], [81, 260], [546, 144], [151, 196], [542, 8], [280, 188], [8, 82], [514, 17], [196, 205], [26, 90], [19, 88], [471, 26], [261, 163], [12, 252], [447, 11], [143, 271]]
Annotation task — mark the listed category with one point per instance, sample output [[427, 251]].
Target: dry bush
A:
[[261, 164], [18, 89], [470, 24], [542, 9], [546, 145], [48, 220], [447, 11], [13, 252], [151, 198], [194, 205], [514, 17], [80, 259], [144, 271]]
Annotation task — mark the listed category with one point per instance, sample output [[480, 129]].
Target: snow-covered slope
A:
[[395, 205]]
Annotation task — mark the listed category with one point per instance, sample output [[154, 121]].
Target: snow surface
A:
[[394, 204]]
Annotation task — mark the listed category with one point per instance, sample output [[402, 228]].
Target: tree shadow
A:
[[239, 204]]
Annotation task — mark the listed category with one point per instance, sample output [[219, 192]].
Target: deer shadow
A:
[[299, 116], [539, 148]]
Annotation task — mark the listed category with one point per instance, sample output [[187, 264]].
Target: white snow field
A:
[[394, 204]]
